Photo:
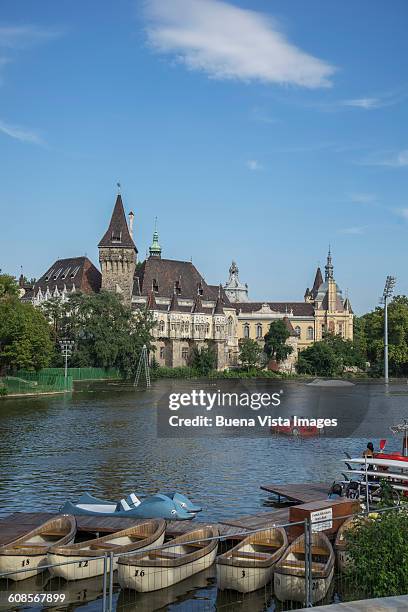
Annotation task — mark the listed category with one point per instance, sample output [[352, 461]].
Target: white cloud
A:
[[228, 42], [20, 133], [363, 198], [16, 37], [394, 160], [354, 230], [402, 212], [253, 164], [365, 103]]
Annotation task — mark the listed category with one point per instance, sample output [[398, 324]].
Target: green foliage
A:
[[24, 336], [3, 390], [329, 357], [378, 553], [275, 341], [8, 286], [203, 360], [319, 359], [372, 329], [249, 353], [106, 332], [180, 372]]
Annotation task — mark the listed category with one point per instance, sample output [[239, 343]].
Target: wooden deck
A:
[[301, 493], [17, 524]]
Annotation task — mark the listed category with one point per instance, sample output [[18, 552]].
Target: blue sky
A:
[[259, 131]]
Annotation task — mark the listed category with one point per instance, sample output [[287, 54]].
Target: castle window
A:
[[259, 331], [200, 289], [162, 327], [298, 331], [184, 354], [155, 286], [310, 334], [246, 330], [230, 326], [116, 237], [177, 287], [162, 351], [341, 329]]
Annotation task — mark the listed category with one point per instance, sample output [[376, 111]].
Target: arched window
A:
[[298, 331], [162, 327], [259, 330], [246, 330], [310, 334], [230, 326], [155, 286]]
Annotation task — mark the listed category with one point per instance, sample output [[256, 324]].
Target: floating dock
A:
[[18, 523]]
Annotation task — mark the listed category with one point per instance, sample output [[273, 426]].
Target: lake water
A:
[[104, 440]]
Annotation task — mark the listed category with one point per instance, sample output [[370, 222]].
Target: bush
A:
[[3, 390], [378, 553]]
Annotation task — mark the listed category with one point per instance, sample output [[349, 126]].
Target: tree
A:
[[275, 341], [249, 353], [319, 359], [372, 332], [25, 341], [378, 556], [347, 351], [203, 359], [8, 286], [106, 332]]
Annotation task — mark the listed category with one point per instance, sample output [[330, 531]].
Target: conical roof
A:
[[317, 282], [174, 305], [117, 234], [197, 307], [151, 301]]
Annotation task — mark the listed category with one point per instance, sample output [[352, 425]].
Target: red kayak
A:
[[298, 431]]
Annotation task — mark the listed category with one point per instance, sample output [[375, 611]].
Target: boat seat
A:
[[250, 555], [167, 555], [40, 546], [102, 546]]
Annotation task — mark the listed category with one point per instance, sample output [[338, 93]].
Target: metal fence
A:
[[220, 574], [36, 382], [82, 373]]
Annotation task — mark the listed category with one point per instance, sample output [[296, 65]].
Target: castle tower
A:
[[235, 290], [155, 248], [118, 255]]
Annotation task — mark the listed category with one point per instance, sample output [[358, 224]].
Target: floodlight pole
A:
[[388, 289]]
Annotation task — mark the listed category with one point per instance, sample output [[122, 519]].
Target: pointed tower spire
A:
[[151, 301], [197, 306], [317, 282], [155, 248], [328, 267], [117, 234], [174, 305], [218, 309]]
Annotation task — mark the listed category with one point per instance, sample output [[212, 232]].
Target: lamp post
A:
[[66, 350], [387, 293]]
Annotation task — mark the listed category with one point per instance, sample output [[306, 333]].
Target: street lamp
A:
[[387, 293], [66, 350]]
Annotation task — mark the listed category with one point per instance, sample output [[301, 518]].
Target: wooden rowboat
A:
[[249, 565], [289, 575], [29, 552], [351, 523], [181, 558], [80, 559]]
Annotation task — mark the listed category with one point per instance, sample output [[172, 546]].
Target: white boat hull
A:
[[31, 564], [293, 588], [77, 568], [243, 579], [151, 578]]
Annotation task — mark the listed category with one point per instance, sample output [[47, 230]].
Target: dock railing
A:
[[311, 573]]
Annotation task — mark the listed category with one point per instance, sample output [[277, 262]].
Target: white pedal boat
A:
[[289, 574], [80, 559], [181, 558], [29, 552], [249, 565]]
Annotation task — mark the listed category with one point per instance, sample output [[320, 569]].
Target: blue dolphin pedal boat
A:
[[153, 506]]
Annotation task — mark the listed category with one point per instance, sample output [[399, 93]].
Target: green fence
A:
[[85, 373], [36, 382]]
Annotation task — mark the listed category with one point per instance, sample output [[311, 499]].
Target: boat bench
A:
[[103, 546], [167, 555], [250, 555]]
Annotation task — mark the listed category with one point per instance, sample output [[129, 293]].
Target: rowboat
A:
[[340, 543], [181, 558], [249, 565], [289, 575], [29, 552], [85, 559], [154, 506]]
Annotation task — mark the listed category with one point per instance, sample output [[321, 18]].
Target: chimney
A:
[[131, 217]]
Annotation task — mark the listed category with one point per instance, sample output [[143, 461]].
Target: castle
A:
[[187, 311]]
